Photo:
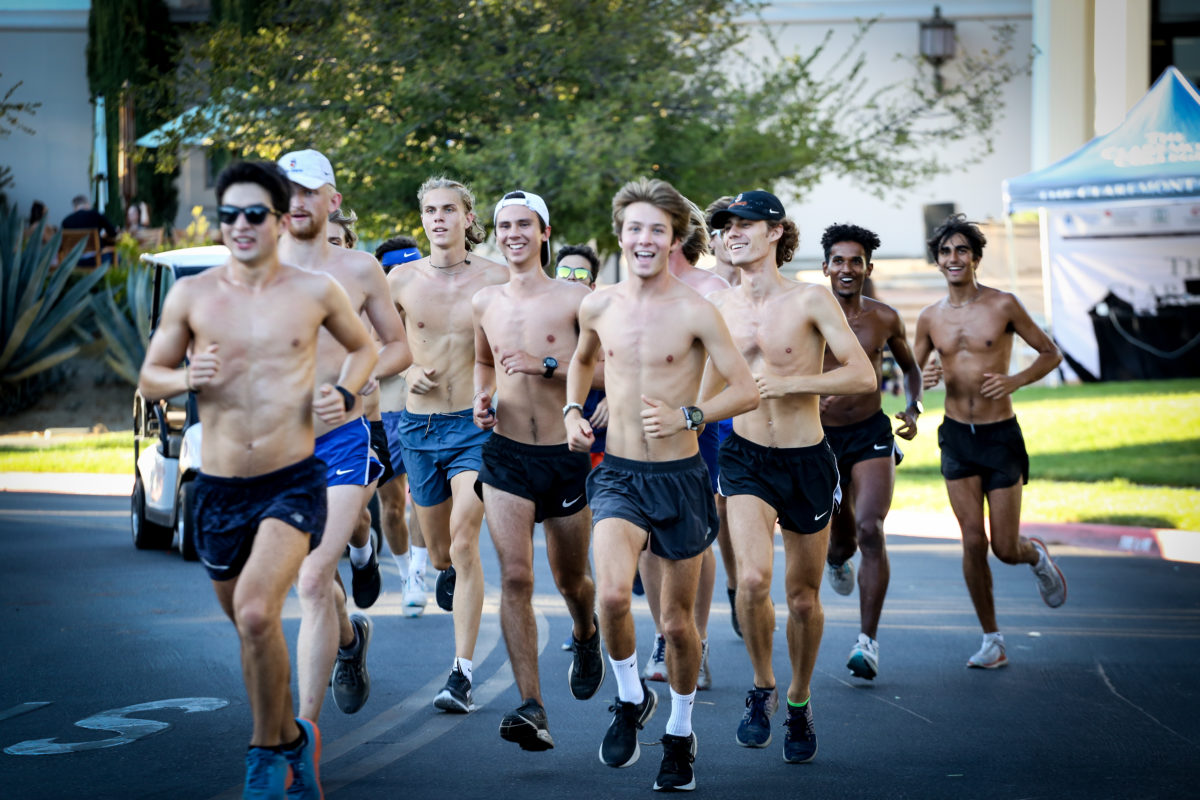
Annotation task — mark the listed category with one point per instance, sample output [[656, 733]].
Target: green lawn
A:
[[1117, 453]]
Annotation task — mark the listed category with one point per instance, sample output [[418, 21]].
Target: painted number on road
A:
[[128, 729]]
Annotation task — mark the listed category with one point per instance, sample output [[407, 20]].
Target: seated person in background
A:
[[84, 216], [37, 213]]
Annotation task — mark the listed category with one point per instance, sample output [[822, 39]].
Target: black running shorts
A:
[[800, 483], [995, 451], [552, 476], [862, 440]]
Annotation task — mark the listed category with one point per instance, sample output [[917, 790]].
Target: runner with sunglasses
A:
[[260, 505]]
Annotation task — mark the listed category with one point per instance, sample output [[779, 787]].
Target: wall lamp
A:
[[937, 44]]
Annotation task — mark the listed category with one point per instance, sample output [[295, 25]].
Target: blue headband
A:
[[394, 257]]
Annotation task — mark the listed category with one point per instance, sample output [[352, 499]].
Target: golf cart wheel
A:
[[146, 534], [185, 527]]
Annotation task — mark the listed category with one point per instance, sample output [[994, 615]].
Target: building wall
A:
[[898, 216], [52, 165]]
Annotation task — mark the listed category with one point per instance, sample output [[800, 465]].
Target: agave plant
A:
[[124, 321], [40, 308]]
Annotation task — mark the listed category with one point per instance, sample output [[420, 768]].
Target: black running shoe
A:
[[737, 628], [586, 672], [675, 774], [443, 589], [351, 683], [800, 740], [526, 725], [620, 746], [366, 582], [455, 696]]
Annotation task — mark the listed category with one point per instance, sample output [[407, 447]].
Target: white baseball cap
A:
[[522, 198], [308, 168], [535, 204]]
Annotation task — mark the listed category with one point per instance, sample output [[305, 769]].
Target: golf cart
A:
[[166, 445]]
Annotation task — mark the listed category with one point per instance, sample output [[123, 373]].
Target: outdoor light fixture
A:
[[937, 43]]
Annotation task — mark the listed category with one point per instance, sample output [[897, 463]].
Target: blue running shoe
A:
[[800, 739], [755, 728], [305, 762], [266, 774]]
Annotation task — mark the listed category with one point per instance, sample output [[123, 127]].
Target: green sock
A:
[[798, 705]]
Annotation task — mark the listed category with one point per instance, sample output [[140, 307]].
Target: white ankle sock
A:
[[680, 723], [402, 562], [465, 666], [629, 683], [420, 559], [359, 556]]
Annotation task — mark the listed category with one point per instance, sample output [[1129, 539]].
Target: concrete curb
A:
[[1166, 544]]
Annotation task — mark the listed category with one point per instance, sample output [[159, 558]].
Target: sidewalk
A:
[[1167, 544]]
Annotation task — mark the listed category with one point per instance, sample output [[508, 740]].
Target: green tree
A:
[[131, 45], [11, 113], [567, 98]]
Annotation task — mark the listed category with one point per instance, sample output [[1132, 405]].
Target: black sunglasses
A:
[[255, 214]]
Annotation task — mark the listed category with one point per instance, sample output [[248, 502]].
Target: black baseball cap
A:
[[750, 205]]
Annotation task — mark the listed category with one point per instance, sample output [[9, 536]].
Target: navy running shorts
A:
[[670, 500], [551, 476], [800, 483], [228, 512], [390, 420]]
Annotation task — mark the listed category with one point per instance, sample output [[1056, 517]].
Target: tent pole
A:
[[1047, 295]]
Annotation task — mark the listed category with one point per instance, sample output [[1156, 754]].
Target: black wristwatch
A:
[[693, 417], [916, 405], [551, 364]]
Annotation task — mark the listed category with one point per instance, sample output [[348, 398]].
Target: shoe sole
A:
[[686, 787], [366, 642], [753, 745], [637, 748], [571, 673], [525, 734], [656, 675], [861, 668], [997, 664], [800, 760], [1056, 569], [447, 702]]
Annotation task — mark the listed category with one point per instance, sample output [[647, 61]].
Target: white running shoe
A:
[[864, 658], [991, 654], [841, 579], [656, 667], [1051, 582], [414, 595]]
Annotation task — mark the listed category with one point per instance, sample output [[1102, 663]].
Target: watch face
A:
[[696, 415], [550, 362]]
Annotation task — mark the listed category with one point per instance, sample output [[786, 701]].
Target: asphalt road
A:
[[1100, 699]]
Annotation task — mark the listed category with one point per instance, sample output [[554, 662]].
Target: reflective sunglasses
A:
[[578, 273], [255, 214]]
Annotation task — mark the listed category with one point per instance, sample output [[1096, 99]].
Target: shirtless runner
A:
[[861, 438], [776, 464], [523, 330], [652, 489], [260, 503], [441, 445], [328, 634], [983, 451]]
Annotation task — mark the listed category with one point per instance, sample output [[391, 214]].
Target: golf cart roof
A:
[[189, 260]]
